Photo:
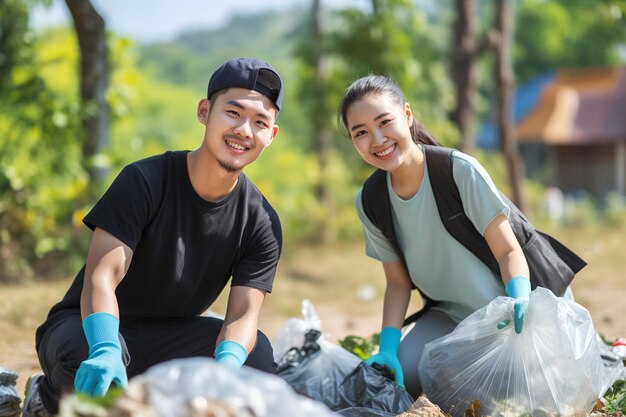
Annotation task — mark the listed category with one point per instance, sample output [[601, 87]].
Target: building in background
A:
[[571, 129]]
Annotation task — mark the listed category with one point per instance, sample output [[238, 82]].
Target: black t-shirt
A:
[[185, 249]]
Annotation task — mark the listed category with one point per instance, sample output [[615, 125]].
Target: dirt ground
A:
[[345, 287]]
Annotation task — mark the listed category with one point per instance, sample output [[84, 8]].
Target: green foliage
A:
[[154, 90], [40, 166], [363, 347], [547, 38], [615, 211], [614, 399], [81, 405]]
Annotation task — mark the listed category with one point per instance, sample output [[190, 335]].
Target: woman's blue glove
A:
[[388, 353], [231, 354], [518, 287], [104, 364]]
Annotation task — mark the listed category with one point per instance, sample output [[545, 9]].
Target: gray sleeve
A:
[[481, 199], [376, 246]]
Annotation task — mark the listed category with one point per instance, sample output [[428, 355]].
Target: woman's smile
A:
[[387, 152]]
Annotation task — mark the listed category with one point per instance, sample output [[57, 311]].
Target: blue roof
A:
[[526, 98]]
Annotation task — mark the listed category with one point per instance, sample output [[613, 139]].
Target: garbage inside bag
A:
[[202, 387], [310, 364], [614, 359], [326, 372], [9, 398], [553, 367], [296, 355], [371, 389], [292, 333]]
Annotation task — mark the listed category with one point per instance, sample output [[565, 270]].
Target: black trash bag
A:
[[317, 368], [364, 412], [371, 390]]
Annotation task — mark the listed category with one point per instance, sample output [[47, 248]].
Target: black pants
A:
[[145, 342]]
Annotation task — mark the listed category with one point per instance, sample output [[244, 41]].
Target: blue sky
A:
[[156, 20]]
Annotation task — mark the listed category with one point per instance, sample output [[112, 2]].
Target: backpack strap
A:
[[377, 208], [439, 162], [551, 264]]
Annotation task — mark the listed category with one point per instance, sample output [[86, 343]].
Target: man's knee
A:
[[262, 355], [61, 350]]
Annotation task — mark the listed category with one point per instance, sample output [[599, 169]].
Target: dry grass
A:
[[330, 277]]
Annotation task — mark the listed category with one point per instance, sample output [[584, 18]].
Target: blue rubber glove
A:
[[231, 354], [104, 364], [518, 287], [388, 353]]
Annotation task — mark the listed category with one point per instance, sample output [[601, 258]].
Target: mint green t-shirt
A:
[[438, 264]]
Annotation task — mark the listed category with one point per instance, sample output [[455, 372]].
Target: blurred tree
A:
[[40, 163], [467, 46], [94, 72], [503, 74], [321, 114], [568, 34]]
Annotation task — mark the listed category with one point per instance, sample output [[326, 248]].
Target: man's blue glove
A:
[[388, 353], [231, 354], [518, 287], [104, 364]]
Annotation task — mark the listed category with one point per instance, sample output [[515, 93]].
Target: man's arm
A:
[[242, 316], [238, 334], [107, 262]]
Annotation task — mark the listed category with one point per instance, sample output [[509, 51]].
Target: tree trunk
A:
[[324, 136], [463, 70], [90, 31], [504, 101]]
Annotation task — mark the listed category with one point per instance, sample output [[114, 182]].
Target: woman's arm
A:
[[397, 294], [506, 249]]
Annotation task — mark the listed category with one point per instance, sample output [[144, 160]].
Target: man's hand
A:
[[388, 353], [104, 365], [231, 354]]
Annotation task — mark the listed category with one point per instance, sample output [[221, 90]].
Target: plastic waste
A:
[[370, 388], [553, 367], [9, 398], [311, 365], [619, 347], [326, 372], [187, 387]]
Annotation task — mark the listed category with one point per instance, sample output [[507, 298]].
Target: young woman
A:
[[387, 135]]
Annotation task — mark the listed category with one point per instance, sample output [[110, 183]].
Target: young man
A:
[[169, 233]]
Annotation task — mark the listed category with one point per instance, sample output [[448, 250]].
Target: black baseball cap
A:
[[250, 73]]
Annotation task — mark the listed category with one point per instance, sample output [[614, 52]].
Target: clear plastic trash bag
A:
[[292, 333], [552, 368], [186, 387]]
